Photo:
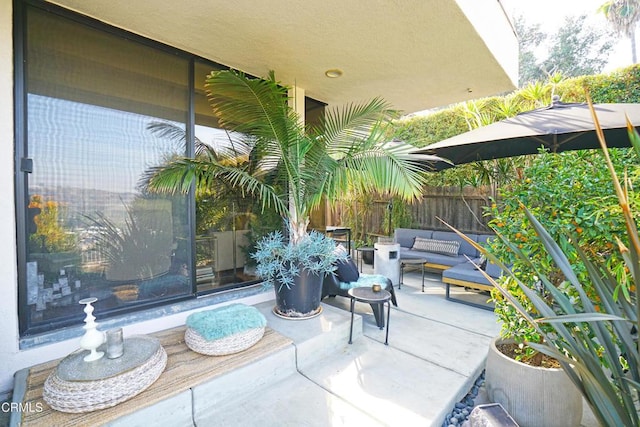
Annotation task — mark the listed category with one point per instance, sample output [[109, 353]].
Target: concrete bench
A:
[[186, 387]]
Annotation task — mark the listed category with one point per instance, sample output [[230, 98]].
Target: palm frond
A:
[[340, 128], [252, 106]]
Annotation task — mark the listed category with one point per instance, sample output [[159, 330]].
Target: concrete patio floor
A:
[[437, 349]]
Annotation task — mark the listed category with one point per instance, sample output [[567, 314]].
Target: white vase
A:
[[92, 338], [533, 396]]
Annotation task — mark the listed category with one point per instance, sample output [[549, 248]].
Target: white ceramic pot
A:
[[533, 396]]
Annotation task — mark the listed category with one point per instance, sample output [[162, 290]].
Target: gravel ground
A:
[[459, 416]]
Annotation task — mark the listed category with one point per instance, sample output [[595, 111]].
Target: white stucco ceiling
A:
[[417, 54]]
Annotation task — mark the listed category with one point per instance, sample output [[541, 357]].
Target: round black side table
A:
[[367, 295]]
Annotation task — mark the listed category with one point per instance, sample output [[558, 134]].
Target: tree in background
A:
[[623, 16], [529, 38], [576, 49], [50, 235]]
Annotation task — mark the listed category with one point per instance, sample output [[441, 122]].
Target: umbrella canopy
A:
[[558, 127], [430, 163], [426, 162]]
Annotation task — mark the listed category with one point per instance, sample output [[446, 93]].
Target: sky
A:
[[551, 13]]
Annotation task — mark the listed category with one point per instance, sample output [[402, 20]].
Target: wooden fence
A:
[[462, 208]]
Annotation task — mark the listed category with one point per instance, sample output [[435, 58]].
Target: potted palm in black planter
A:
[[312, 163]]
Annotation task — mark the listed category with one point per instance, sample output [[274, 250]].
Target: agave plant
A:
[[594, 341]]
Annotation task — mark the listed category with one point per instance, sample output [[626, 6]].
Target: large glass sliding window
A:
[[226, 218], [96, 106]]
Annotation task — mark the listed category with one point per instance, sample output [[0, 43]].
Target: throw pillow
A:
[[347, 271], [444, 247]]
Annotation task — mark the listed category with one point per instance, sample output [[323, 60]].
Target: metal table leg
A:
[[353, 303], [386, 340]]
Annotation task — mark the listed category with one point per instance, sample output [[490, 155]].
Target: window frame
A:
[[23, 162]]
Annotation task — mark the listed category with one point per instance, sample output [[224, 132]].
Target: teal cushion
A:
[[225, 321], [365, 280]]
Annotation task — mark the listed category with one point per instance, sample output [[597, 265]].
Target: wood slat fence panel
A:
[[462, 208]]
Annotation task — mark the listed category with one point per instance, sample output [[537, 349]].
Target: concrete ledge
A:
[[317, 338], [233, 387]]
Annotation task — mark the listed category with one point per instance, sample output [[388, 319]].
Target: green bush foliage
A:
[[571, 194]]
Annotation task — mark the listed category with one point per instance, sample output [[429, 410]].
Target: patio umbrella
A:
[[426, 162], [430, 163], [556, 128]]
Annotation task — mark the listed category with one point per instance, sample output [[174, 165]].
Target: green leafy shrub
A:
[[571, 194], [577, 314]]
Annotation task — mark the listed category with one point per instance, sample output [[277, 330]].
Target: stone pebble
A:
[[462, 409]]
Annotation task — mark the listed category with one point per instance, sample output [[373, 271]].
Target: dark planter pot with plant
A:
[[315, 163], [296, 271], [367, 257], [302, 300]]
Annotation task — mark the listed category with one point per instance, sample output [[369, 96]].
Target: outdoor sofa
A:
[[449, 253]]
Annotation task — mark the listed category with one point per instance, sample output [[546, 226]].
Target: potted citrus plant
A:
[[580, 311], [314, 163]]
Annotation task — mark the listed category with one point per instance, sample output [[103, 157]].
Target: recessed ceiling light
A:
[[333, 73]]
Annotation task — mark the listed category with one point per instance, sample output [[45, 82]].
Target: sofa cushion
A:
[[466, 272], [447, 260], [406, 253], [432, 258], [406, 236], [493, 270], [444, 247]]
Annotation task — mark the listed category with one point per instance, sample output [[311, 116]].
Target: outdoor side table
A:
[[362, 250], [410, 261], [366, 295], [77, 386]]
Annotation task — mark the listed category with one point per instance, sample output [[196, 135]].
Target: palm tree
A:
[[314, 163], [623, 15]]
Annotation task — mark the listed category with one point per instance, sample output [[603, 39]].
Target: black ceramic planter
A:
[[302, 299]]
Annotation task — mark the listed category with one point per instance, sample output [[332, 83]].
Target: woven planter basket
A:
[[228, 345], [87, 396]]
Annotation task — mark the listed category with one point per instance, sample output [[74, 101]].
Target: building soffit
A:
[[417, 54]]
